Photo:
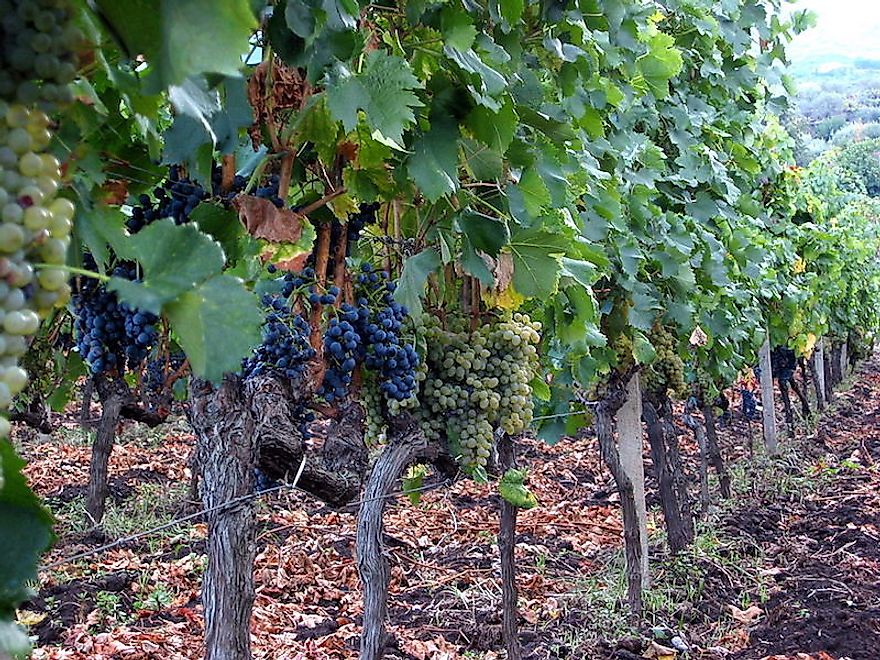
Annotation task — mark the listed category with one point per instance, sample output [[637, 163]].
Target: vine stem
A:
[[75, 271]]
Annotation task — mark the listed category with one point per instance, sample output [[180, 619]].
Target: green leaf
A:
[[495, 129], [511, 10], [223, 226], [73, 367], [540, 388], [384, 90], [27, 531], [660, 64], [474, 264], [583, 272], [643, 350], [413, 279], [181, 38], [175, 259], [100, 228], [457, 28], [485, 233], [513, 489], [433, 165], [217, 323], [537, 261], [412, 482], [536, 196]]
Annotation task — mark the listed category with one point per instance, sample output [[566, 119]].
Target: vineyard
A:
[[413, 329]]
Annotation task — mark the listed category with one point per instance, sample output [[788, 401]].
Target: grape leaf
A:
[[433, 164], [513, 489], [537, 259], [181, 38], [484, 232], [384, 90], [413, 279], [27, 530], [217, 323], [175, 259]]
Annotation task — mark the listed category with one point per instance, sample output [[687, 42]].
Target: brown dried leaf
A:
[[115, 192], [747, 616], [263, 219]]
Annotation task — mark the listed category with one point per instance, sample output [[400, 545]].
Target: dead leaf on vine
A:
[[263, 219], [698, 337], [747, 616], [115, 192], [293, 265]]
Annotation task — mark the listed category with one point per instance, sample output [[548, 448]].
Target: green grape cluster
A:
[[376, 430], [38, 43], [666, 373], [478, 382], [35, 228]]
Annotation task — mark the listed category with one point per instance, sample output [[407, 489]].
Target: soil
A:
[[810, 533]]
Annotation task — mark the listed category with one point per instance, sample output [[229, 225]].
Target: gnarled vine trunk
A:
[[507, 549], [224, 429], [405, 446], [670, 476], [817, 370], [102, 446], [699, 431], [117, 402], [715, 456]]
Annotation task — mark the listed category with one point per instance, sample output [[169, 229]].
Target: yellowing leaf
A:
[[29, 618]]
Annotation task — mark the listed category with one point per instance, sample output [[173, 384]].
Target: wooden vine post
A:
[[771, 441], [631, 441], [818, 364], [624, 461]]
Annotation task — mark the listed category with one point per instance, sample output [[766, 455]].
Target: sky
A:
[[845, 27]]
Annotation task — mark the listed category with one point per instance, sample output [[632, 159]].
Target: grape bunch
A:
[[749, 404], [38, 43], [270, 191], [284, 349], [159, 369], [783, 363], [478, 382], [176, 198], [34, 228], [666, 373], [342, 347], [111, 334], [380, 323], [375, 426]]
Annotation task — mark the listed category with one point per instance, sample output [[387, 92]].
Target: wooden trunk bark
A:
[[769, 408], [817, 368], [224, 428], [699, 431], [827, 370], [372, 566], [634, 535], [802, 397], [836, 372], [507, 549], [786, 405], [715, 456], [670, 479], [111, 409]]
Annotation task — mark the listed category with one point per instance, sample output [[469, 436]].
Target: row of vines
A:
[[424, 228]]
